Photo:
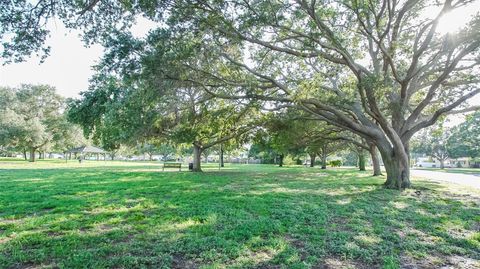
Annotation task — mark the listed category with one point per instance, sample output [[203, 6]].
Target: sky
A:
[[68, 67]]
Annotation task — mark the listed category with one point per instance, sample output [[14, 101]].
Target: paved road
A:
[[463, 179]]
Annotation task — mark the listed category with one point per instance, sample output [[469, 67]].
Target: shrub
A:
[[335, 163]]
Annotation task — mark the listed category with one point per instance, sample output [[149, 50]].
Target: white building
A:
[[428, 162]]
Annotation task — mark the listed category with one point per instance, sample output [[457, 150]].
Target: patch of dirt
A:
[[421, 236], [337, 263], [83, 230], [320, 174], [5, 240], [35, 266], [299, 245], [126, 240], [104, 227], [130, 205], [459, 233], [438, 261], [180, 262], [10, 221], [54, 234], [430, 262], [262, 257], [340, 223], [267, 266], [47, 209], [458, 262], [231, 187], [475, 227]]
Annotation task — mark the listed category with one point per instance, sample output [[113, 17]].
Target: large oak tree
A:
[[382, 70]]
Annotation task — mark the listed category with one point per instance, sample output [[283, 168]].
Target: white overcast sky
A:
[[68, 67]]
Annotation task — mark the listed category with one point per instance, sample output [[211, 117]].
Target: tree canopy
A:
[[32, 120], [465, 138]]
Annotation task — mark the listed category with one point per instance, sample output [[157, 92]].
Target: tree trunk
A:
[[312, 159], [324, 160], [398, 170], [280, 164], [25, 154], [361, 160], [197, 158], [377, 170], [221, 156], [32, 154], [442, 164]]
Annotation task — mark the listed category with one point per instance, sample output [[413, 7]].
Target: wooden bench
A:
[[172, 165]]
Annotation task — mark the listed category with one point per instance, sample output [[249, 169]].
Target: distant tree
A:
[[133, 110], [360, 151], [208, 124], [359, 146], [32, 118], [149, 149], [327, 148], [180, 150], [464, 140], [349, 158], [292, 132], [433, 142], [114, 113], [262, 149]]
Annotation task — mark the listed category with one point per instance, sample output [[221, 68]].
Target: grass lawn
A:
[[131, 215]]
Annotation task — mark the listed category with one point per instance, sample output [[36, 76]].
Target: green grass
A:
[[132, 215]]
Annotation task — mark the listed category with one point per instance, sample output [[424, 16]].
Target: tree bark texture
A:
[[377, 170], [312, 159], [32, 154], [324, 160], [221, 157], [397, 168], [361, 161], [197, 158]]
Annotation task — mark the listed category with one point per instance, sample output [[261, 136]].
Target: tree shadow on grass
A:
[[94, 218]]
